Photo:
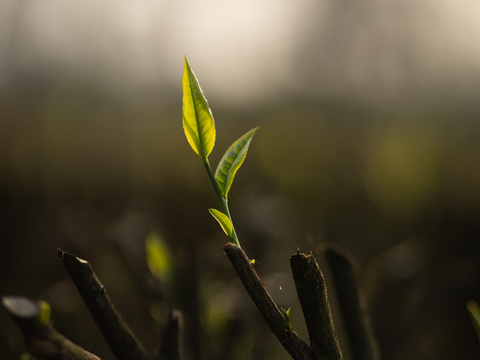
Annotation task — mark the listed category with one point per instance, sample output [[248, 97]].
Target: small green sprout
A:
[[288, 323], [199, 128]]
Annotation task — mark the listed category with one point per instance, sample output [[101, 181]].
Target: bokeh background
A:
[[369, 139]]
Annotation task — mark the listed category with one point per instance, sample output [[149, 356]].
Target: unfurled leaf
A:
[[159, 259], [231, 161], [223, 220], [197, 117]]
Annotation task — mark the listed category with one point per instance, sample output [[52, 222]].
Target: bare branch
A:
[[312, 294], [170, 344], [295, 346], [42, 340], [118, 335], [347, 293]]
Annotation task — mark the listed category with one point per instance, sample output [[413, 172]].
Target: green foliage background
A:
[[94, 173]]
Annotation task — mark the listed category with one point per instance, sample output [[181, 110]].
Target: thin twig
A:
[[118, 335], [170, 344], [312, 294], [295, 346], [347, 292]]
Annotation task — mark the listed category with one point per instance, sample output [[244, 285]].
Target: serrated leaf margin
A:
[[232, 160]]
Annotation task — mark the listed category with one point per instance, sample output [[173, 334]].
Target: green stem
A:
[[223, 199]]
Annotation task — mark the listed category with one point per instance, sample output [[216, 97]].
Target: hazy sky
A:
[[261, 47]]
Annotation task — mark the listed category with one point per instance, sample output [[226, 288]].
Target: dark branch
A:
[[349, 301], [312, 294], [295, 346], [170, 344], [42, 340], [118, 335]]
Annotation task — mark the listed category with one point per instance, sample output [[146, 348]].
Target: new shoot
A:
[[199, 128]]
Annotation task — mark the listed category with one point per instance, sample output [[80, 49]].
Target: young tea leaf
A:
[[159, 257], [223, 220], [27, 356], [197, 117], [45, 311], [474, 310], [231, 161]]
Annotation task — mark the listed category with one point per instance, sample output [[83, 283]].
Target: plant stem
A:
[[290, 340], [223, 200]]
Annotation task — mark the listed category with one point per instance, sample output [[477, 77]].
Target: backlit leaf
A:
[[45, 311], [223, 220], [232, 160], [159, 259], [197, 117], [474, 310], [27, 356]]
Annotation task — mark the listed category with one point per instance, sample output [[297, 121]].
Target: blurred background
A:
[[369, 139]]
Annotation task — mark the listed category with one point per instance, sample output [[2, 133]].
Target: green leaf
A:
[[44, 314], [223, 220], [159, 258], [27, 356], [197, 117], [474, 310], [232, 160]]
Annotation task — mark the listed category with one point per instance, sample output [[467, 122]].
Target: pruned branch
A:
[[347, 293], [42, 340], [295, 346], [170, 344], [118, 335], [312, 294]]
